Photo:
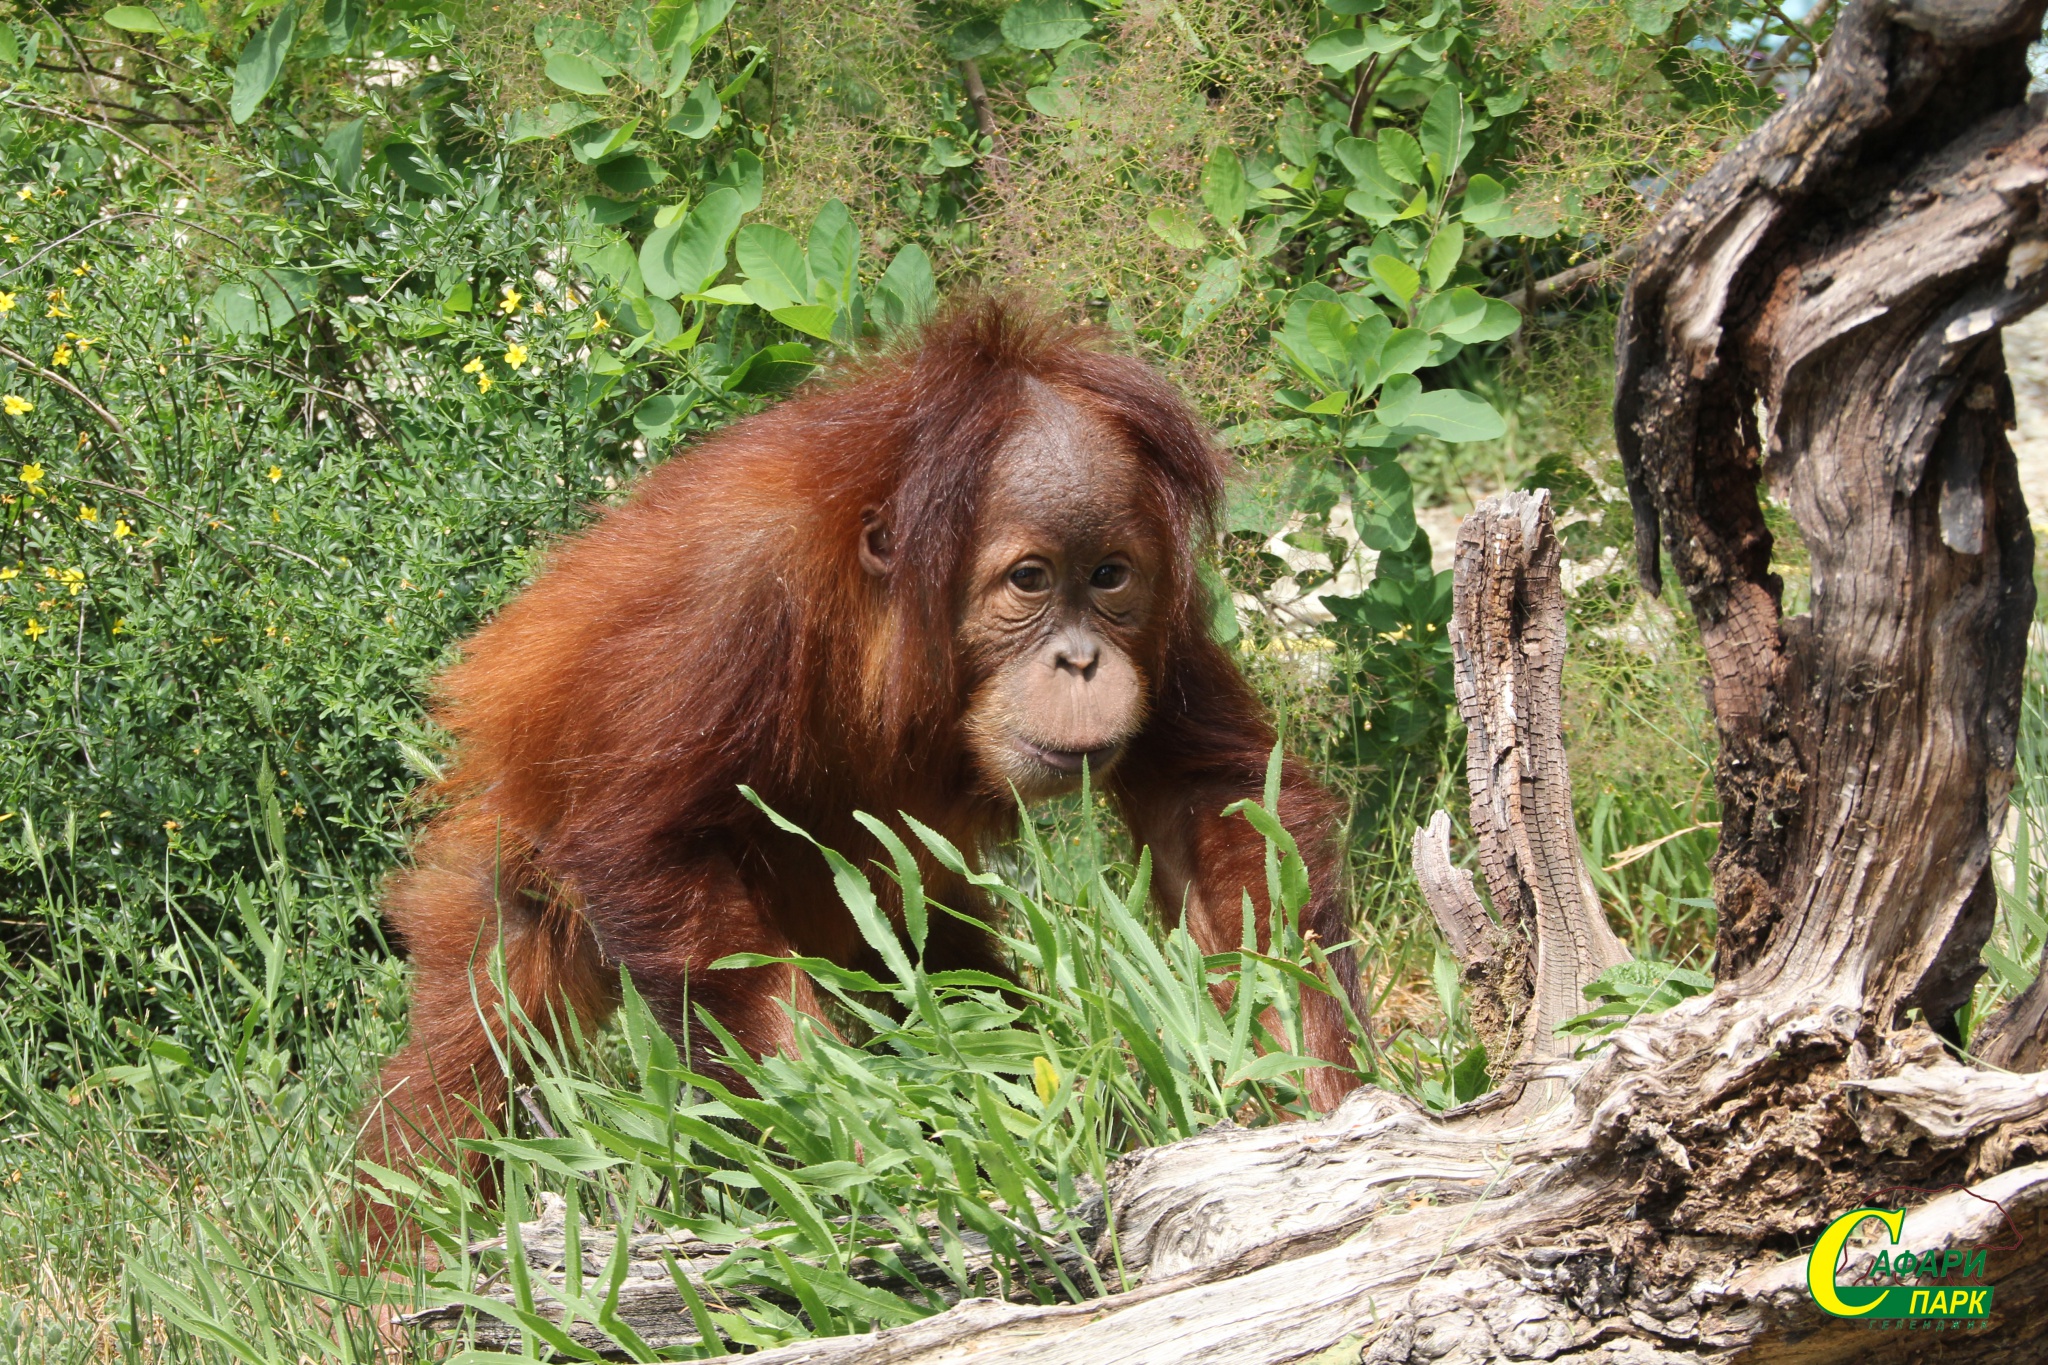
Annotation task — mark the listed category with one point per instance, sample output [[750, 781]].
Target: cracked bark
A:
[[1819, 314]]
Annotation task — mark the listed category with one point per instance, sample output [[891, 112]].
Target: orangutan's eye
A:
[[1111, 576], [1030, 578]]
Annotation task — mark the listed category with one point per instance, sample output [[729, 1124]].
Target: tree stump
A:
[[1821, 314]]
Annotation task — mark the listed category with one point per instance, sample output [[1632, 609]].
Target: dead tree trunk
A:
[[1821, 313]]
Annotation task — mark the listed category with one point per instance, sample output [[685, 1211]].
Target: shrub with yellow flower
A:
[[122, 529], [509, 304], [475, 365], [88, 514], [515, 355], [275, 474], [31, 474], [483, 383], [62, 355], [17, 406], [6, 303], [34, 629]]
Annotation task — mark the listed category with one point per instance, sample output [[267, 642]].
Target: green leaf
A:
[[1372, 206], [671, 22], [1222, 278], [812, 319], [262, 302], [742, 174], [777, 276], [1396, 276], [908, 291], [261, 62], [1172, 225], [687, 255], [700, 113], [630, 174], [973, 40], [133, 19], [834, 251], [576, 73], [1446, 132], [1405, 351], [562, 1155], [1361, 157], [1453, 415], [593, 145], [771, 369], [1383, 508], [341, 19], [555, 120], [1294, 133], [1347, 47], [1272, 1064], [411, 166], [1400, 156], [657, 417], [1035, 25], [1445, 251], [343, 150], [1484, 201], [1224, 190]]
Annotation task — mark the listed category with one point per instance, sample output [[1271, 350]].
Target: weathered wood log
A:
[[1820, 311], [1527, 971]]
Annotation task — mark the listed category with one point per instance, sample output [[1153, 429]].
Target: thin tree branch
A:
[[177, 174], [1529, 297], [984, 113]]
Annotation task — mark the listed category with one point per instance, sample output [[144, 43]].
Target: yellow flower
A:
[[88, 514], [82, 269], [31, 474], [483, 383], [34, 629], [475, 365], [12, 240], [6, 574], [275, 474], [120, 628], [17, 406], [62, 355], [171, 824], [515, 355], [85, 343], [26, 192], [84, 439], [6, 303], [509, 304], [600, 324], [122, 529], [75, 578]]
